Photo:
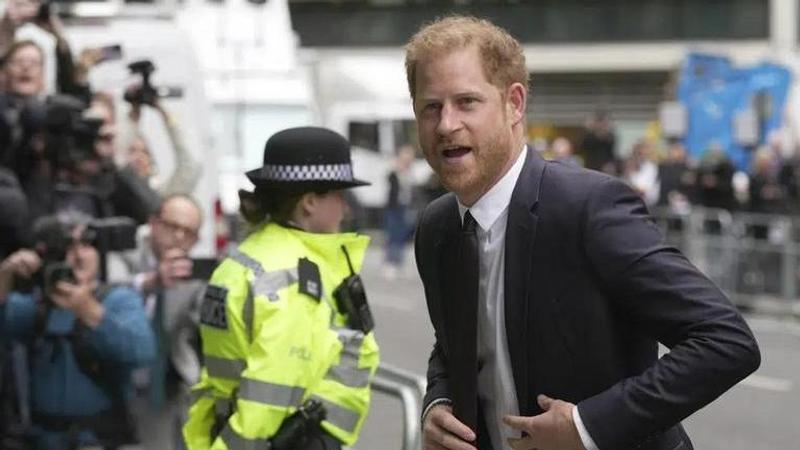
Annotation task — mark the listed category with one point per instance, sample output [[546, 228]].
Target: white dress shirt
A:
[[496, 389]]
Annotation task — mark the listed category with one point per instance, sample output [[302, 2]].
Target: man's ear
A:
[[516, 102]]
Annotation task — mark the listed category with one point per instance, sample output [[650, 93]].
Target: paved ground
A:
[[759, 413]]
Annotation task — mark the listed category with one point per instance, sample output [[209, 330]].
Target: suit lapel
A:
[[520, 239]]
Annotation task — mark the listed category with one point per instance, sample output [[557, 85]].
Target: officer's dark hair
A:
[[270, 204]]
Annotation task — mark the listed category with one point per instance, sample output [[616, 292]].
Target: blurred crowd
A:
[[98, 296], [666, 176], [663, 173]]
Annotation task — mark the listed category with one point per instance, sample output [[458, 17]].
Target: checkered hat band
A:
[[328, 172]]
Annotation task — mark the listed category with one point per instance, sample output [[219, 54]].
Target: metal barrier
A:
[[752, 257], [410, 389]]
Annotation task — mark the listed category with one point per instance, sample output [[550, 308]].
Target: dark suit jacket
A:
[[590, 289]]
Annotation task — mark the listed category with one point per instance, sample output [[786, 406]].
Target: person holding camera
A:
[[286, 331], [187, 170], [163, 275], [83, 338], [172, 288]]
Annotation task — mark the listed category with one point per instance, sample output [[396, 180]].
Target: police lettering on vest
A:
[[212, 312]]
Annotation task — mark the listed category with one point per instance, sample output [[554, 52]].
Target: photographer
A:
[[70, 77], [186, 172], [20, 105], [83, 338], [74, 168], [172, 288]]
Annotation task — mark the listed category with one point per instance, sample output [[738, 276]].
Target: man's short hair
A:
[[19, 45], [186, 197], [501, 55]]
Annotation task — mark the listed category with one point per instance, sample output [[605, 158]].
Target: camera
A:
[[54, 236], [113, 234], [69, 136], [146, 93]]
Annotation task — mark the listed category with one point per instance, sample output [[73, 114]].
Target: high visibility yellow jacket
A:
[[273, 337]]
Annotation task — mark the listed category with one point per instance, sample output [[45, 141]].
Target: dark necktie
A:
[[464, 364]]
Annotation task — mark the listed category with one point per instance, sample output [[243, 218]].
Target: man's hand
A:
[[18, 12], [552, 430], [79, 298], [23, 263], [173, 267], [442, 431]]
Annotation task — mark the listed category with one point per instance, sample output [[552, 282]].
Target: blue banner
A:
[[714, 92]]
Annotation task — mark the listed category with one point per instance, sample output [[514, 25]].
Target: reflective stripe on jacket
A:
[[268, 345]]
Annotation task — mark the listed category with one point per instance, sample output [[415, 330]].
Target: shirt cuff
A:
[[586, 438], [432, 404]]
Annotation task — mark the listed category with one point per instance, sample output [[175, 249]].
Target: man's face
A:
[[24, 72], [176, 227], [465, 122]]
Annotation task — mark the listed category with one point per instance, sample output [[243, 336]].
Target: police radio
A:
[[352, 300]]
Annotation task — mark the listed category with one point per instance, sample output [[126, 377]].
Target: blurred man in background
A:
[[396, 223], [163, 274], [599, 142]]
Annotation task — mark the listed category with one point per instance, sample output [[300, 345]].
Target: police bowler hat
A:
[[306, 159]]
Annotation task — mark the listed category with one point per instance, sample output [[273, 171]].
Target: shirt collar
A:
[[491, 205]]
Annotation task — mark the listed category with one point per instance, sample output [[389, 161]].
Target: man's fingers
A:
[[174, 253], [65, 288], [446, 420], [520, 423], [525, 443], [181, 269], [437, 438], [452, 442], [59, 300], [545, 402], [444, 430]]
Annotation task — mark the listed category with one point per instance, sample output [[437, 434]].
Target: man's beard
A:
[[490, 156]]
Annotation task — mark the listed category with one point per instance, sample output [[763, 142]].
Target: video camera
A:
[[54, 237], [69, 137], [146, 93]]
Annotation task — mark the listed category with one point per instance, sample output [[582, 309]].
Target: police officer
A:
[[275, 329], [83, 339]]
